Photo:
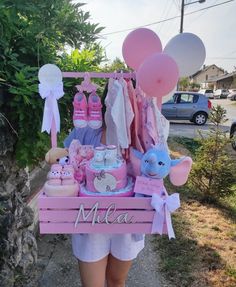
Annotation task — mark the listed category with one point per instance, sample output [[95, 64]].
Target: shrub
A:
[[213, 170]]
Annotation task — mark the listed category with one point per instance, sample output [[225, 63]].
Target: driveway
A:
[[187, 129]]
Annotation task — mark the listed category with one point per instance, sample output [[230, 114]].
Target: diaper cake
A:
[[106, 174]]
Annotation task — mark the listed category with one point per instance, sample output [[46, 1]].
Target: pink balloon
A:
[[158, 75], [138, 45]]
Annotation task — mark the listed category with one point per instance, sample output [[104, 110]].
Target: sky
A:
[[216, 26]]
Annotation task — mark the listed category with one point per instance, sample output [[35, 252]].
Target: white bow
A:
[[164, 207], [51, 94]]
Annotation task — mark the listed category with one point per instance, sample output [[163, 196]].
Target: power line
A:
[[168, 19], [176, 4], [222, 58], [203, 13], [166, 15]]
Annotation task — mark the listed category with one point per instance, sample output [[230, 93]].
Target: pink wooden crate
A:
[[95, 215]]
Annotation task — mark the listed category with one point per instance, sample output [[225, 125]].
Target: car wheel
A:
[[233, 136], [200, 118]]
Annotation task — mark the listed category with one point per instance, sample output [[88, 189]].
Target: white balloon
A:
[[50, 74], [188, 51]]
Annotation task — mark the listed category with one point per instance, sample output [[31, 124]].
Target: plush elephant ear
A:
[[134, 164], [180, 170]]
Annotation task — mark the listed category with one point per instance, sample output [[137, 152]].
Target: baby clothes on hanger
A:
[[135, 142], [151, 121], [129, 114], [144, 136], [116, 133], [162, 124]]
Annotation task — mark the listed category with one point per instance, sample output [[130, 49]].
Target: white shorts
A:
[[94, 247]]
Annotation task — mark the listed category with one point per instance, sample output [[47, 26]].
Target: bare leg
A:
[[117, 272], [93, 273]]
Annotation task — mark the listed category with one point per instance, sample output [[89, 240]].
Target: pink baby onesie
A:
[[135, 142], [116, 133], [144, 135], [129, 114], [151, 121]]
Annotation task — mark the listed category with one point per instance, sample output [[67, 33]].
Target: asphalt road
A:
[[187, 129]]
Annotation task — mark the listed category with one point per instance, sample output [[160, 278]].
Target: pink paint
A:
[[53, 133], [129, 193], [95, 215], [68, 228], [45, 202], [70, 215], [97, 75]]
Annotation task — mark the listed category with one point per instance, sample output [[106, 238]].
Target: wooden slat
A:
[[71, 215], [68, 228], [45, 202]]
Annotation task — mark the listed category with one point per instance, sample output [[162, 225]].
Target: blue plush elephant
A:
[[157, 164]]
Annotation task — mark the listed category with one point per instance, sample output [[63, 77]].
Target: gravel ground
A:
[[58, 268]]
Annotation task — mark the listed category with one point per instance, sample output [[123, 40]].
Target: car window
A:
[[195, 99], [209, 91], [186, 98], [171, 100]]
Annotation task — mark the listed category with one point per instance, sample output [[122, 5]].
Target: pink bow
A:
[[164, 207]]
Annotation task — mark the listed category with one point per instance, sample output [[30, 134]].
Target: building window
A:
[[206, 77]]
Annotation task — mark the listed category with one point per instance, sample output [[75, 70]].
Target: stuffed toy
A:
[[155, 165], [57, 155]]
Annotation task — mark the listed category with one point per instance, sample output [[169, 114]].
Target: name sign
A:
[[118, 215], [149, 186], [108, 216]]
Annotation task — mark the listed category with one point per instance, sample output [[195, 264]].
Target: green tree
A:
[[116, 65], [184, 84], [33, 33], [213, 172]]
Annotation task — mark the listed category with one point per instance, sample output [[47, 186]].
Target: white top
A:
[[115, 116]]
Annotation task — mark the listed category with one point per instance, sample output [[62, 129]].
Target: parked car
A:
[[221, 94], [187, 106], [233, 134], [207, 92], [232, 96]]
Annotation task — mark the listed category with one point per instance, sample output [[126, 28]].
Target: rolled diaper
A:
[[67, 175], [54, 175]]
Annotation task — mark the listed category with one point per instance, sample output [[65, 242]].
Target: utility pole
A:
[[182, 12], [182, 17]]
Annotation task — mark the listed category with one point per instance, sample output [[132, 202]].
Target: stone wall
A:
[[18, 247]]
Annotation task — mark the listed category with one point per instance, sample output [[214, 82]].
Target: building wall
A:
[[210, 73], [228, 83]]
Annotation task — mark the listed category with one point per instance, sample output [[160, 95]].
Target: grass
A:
[[204, 251]]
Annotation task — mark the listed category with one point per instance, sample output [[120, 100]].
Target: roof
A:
[[222, 77], [205, 69]]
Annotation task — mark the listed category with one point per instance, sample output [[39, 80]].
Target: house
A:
[[203, 76], [226, 81]]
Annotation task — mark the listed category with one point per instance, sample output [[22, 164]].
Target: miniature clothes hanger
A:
[[87, 85]]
